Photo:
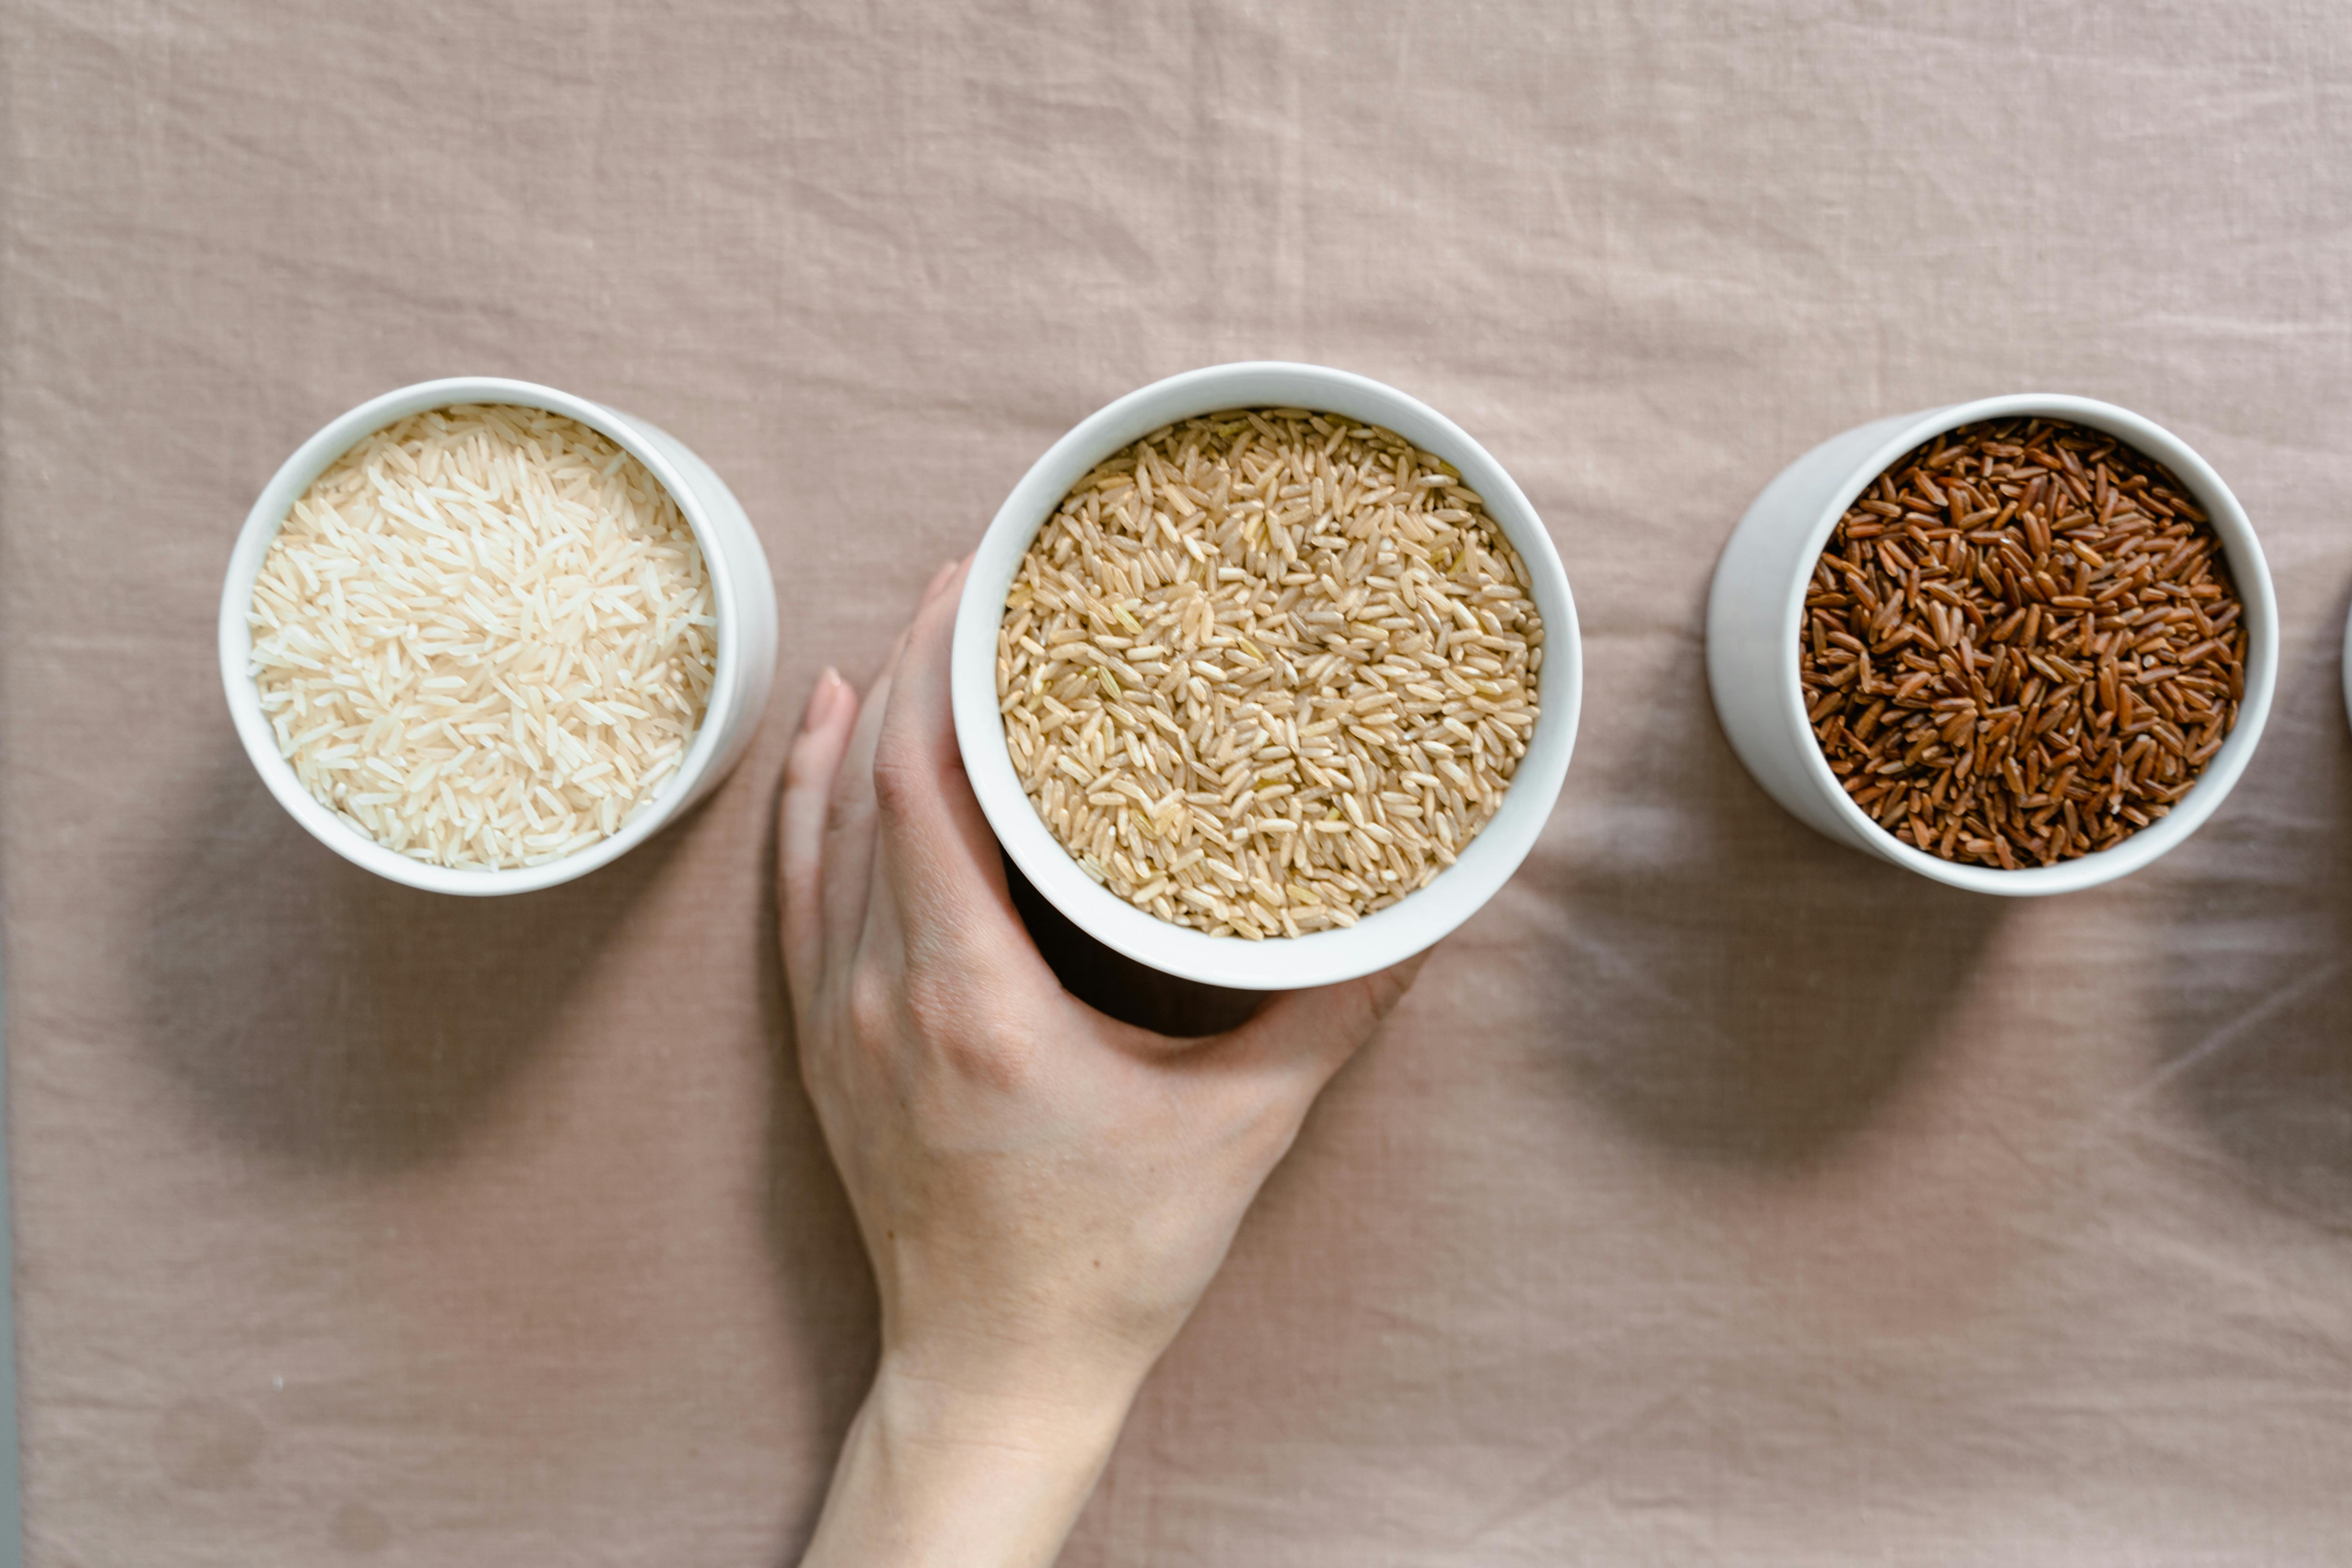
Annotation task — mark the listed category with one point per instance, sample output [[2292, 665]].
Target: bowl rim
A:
[[2345, 662], [2247, 567], [1378, 940], [260, 530]]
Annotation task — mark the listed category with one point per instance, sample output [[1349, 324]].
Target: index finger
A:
[[946, 872]]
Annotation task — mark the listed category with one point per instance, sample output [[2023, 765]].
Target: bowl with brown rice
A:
[[1266, 675], [2023, 645], [482, 636]]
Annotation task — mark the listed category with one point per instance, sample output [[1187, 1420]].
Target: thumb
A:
[[1314, 1033]]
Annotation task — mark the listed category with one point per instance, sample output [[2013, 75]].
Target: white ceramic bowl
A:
[[741, 586], [1757, 601], [1281, 963], [2347, 669]]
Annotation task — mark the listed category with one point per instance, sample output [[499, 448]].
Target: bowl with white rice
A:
[[482, 636], [1266, 676]]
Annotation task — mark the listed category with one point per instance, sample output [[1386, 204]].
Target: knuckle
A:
[[872, 1006], [929, 1002], [898, 781], [801, 771], [945, 1010], [1264, 1122], [1349, 1019], [1383, 993], [966, 1030], [1000, 1059], [1275, 1132], [841, 813]]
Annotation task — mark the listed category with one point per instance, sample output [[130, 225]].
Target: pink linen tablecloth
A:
[[1719, 1195]]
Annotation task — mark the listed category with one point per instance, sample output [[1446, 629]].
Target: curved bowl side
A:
[[1283, 963]]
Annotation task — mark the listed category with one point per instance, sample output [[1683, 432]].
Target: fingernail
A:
[[825, 700], [938, 581]]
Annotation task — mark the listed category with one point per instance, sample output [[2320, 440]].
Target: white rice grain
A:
[[484, 636]]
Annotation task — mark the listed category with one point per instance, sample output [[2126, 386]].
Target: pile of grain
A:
[[484, 636], [2022, 645], [1267, 671]]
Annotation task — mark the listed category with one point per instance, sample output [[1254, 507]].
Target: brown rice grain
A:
[[2008, 681], [1288, 659]]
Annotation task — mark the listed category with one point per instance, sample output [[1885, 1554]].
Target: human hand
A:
[[1043, 1191]]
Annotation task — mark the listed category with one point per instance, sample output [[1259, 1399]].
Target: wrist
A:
[[938, 1470], [1059, 1409], [1050, 1387]]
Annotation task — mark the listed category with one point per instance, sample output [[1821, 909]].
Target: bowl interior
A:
[[2247, 568], [1283, 962], [261, 525]]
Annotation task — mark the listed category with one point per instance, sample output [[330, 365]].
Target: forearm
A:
[[931, 1475]]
